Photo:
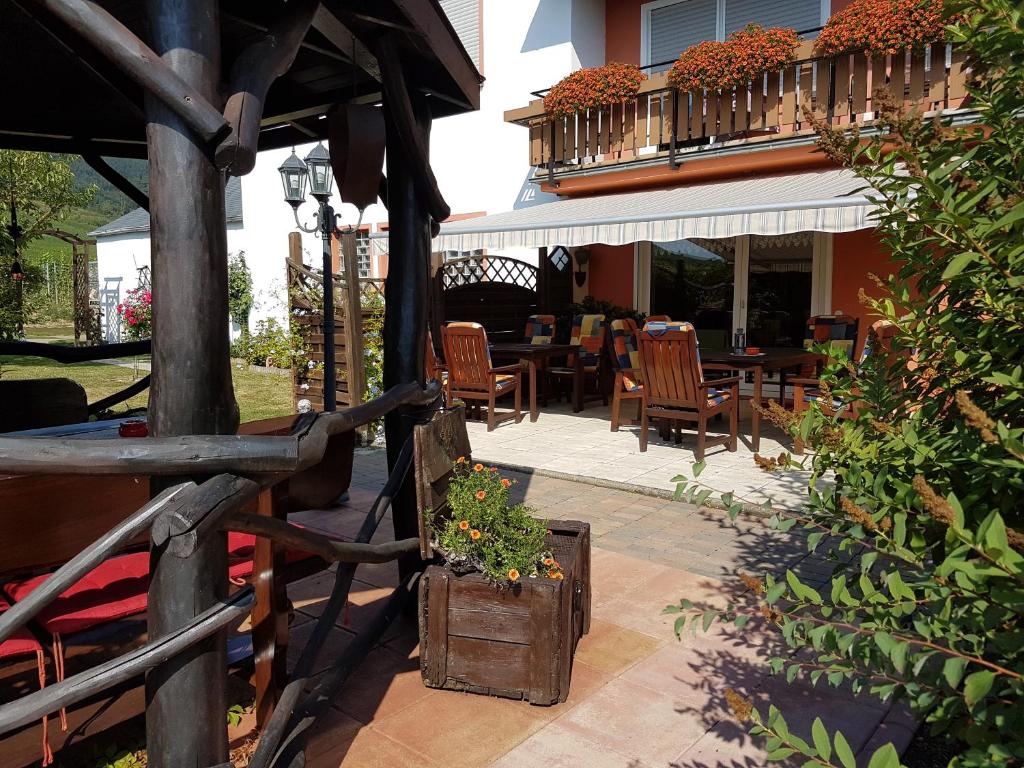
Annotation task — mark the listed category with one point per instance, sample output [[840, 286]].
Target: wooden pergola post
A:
[[406, 293], [191, 391]]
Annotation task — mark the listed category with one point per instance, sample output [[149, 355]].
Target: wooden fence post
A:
[[354, 366]]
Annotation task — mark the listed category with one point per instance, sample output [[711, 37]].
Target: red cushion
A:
[[112, 590], [18, 644], [242, 547]]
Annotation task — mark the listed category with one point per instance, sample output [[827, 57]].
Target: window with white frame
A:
[[363, 265], [668, 27]]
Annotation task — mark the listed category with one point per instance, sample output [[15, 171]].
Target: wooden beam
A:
[[140, 63], [252, 74], [71, 145], [328, 25], [398, 103], [128, 189]]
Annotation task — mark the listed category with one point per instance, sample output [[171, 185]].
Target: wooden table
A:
[[779, 359], [532, 354]]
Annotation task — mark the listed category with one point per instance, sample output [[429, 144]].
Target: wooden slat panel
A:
[[898, 76], [654, 123], [667, 117], [581, 134], [488, 625], [629, 126], [859, 86], [957, 77], [681, 119], [605, 137], [592, 126], [501, 666], [916, 95], [788, 115], [434, 595], [756, 117], [937, 77], [822, 86], [536, 156], [711, 114], [477, 595], [544, 643], [740, 120], [725, 122], [616, 128], [878, 69], [642, 109], [559, 140], [771, 101], [545, 144], [696, 114], [842, 87], [570, 138], [806, 85]]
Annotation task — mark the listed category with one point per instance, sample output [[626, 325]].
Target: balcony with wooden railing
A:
[[662, 123]]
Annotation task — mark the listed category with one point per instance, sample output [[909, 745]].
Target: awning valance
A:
[[823, 201]]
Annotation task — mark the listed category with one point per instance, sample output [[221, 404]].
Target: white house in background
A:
[[519, 46]]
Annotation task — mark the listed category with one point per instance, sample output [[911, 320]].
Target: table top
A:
[[91, 430], [770, 357], [526, 349]]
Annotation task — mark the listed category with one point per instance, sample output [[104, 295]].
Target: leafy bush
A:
[[485, 534], [927, 448], [137, 312], [271, 344], [239, 291], [594, 88]]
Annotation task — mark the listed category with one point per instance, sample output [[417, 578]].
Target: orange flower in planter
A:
[[464, 525], [513, 575], [549, 561], [882, 26], [505, 482], [474, 534], [481, 495], [594, 88], [460, 460], [478, 467], [556, 575], [748, 52]]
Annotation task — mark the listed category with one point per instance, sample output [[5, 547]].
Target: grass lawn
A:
[[260, 394]]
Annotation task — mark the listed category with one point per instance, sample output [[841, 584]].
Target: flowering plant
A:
[[882, 26], [715, 65], [485, 534], [137, 311], [594, 87]]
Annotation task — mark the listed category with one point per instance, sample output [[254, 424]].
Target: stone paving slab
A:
[[640, 698]]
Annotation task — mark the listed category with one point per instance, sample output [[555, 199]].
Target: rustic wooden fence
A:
[[185, 522], [305, 292], [838, 89]]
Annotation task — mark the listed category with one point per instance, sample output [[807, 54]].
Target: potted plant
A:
[[594, 88], [719, 66], [882, 27]]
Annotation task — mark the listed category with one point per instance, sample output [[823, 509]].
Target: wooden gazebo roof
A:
[[62, 96]]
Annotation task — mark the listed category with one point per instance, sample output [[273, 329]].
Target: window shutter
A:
[[465, 18], [800, 15], [674, 28]]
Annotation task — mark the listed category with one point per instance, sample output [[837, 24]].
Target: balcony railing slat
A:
[[838, 89]]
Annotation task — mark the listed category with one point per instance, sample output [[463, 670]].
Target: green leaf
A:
[[843, 751], [953, 670], [885, 757], [698, 467], [780, 754], [775, 592], [821, 740], [977, 685]]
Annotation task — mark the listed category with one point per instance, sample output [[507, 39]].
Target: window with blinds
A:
[[465, 18], [669, 28]]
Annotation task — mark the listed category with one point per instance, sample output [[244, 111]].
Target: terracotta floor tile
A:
[[337, 641], [585, 681], [385, 683], [727, 745], [558, 746], [309, 595], [611, 649], [634, 721], [464, 730], [614, 575], [341, 741]]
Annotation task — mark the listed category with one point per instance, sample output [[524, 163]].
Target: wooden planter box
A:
[[513, 642]]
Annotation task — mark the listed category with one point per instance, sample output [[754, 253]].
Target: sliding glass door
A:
[[694, 280]]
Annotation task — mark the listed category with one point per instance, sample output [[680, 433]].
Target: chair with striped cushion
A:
[[658, 319], [588, 333], [674, 388], [540, 329], [472, 377], [839, 331], [626, 359]]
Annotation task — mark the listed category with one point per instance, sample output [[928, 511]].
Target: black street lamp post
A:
[[17, 273], [316, 172]]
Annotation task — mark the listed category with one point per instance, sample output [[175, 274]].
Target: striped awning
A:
[[822, 201]]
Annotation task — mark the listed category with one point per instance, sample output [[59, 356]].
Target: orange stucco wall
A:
[[854, 255], [611, 273]]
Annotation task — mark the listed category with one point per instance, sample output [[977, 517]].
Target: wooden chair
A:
[[675, 390], [839, 330], [807, 390], [540, 329], [626, 360], [471, 375], [588, 332], [657, 319], [434, 368]]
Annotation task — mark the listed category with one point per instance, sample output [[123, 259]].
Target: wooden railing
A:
[[661, 120]]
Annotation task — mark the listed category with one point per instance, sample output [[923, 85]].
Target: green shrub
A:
[[271, 344], [927, 450]]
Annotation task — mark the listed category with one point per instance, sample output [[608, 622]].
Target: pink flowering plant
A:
[[137, 312]]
